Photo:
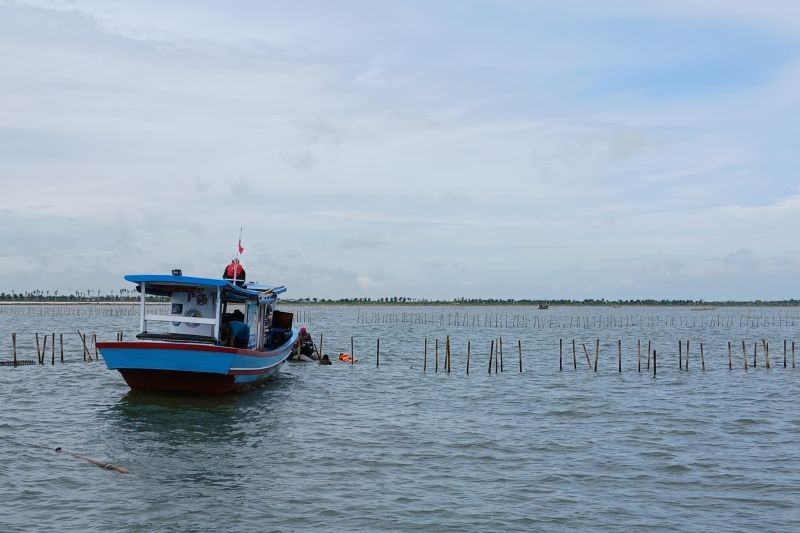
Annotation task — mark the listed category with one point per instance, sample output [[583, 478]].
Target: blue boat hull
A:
[[191, 367]]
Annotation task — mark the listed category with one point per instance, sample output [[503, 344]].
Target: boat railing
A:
[[176, 337], [180, 318]]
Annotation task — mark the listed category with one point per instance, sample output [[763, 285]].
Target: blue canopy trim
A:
[[165, 284]]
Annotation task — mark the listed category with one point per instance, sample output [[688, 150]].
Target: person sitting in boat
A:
[[234, 270], [234, 334], [236, 316], [325, 360]]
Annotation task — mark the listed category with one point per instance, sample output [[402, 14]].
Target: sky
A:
[[478, 149]]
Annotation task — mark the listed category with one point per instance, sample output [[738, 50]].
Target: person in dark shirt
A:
[[325, 360]]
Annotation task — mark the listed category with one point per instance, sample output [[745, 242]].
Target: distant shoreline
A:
[[696, 306]]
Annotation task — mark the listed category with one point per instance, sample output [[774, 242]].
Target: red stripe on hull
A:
[[173, 381]]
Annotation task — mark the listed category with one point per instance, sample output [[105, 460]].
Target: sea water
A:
[[391, 447]]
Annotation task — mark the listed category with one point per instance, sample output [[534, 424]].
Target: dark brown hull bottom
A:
[[174, 381]]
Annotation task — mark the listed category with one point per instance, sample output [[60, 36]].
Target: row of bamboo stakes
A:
[[496, 355], [89, 348], [496, 320]]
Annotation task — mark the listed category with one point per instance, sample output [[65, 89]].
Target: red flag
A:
[[241, 248]]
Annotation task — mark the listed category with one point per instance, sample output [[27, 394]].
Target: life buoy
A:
[[195, 313]]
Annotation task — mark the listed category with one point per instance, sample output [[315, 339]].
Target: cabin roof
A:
[[164, 284]]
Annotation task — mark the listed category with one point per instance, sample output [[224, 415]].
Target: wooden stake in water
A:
[[469, 350], [586, 353], [61, 342], [378, 353], [755, 354], [766, 352], [793, 360], [654, 363], [639, 354], [352, 351], [38, 354], [619, 355], [519, 346], [14, 346], [702, 358], [730, 357], [94, 343], [784, 353], [425, 356], [491, 354], [648, 355], [53, 350], [680, 355], [447, 354], [560, 356], [687, 356], [596, 354], [574, 356], [436, 350], [501, 354], [744, 354]]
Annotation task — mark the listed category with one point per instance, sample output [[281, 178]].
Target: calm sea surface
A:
[[392, 448]]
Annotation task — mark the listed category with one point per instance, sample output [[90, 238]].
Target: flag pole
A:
[[238, 255]]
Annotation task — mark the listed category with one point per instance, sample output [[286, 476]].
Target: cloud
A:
[[658, 140]]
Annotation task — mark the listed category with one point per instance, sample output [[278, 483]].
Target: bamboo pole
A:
[[619, 355], [491, 353], [793, 359], [702, 358], [38, 355], [574, 356], [766, 352], [425, 356], [320, 347], [14, 346], [680, 355], [501, 354], [730, 357], [436, 367], [352, 351], [94, 343], [687, 356], [496, 355], [654, 363], [447, 354], [755, 353], [648, 355], [560, 356], [596, 354], [469, 351], [639, 354], [586, 353], [744, 354], [378, 353], [784, 353], [61, 342], [53, 350], [519, 346]]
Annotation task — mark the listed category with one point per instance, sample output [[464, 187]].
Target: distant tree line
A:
[[404, 300], [129, 295], [123, 295]]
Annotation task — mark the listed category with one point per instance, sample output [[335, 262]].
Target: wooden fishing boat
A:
[[219, 336]]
